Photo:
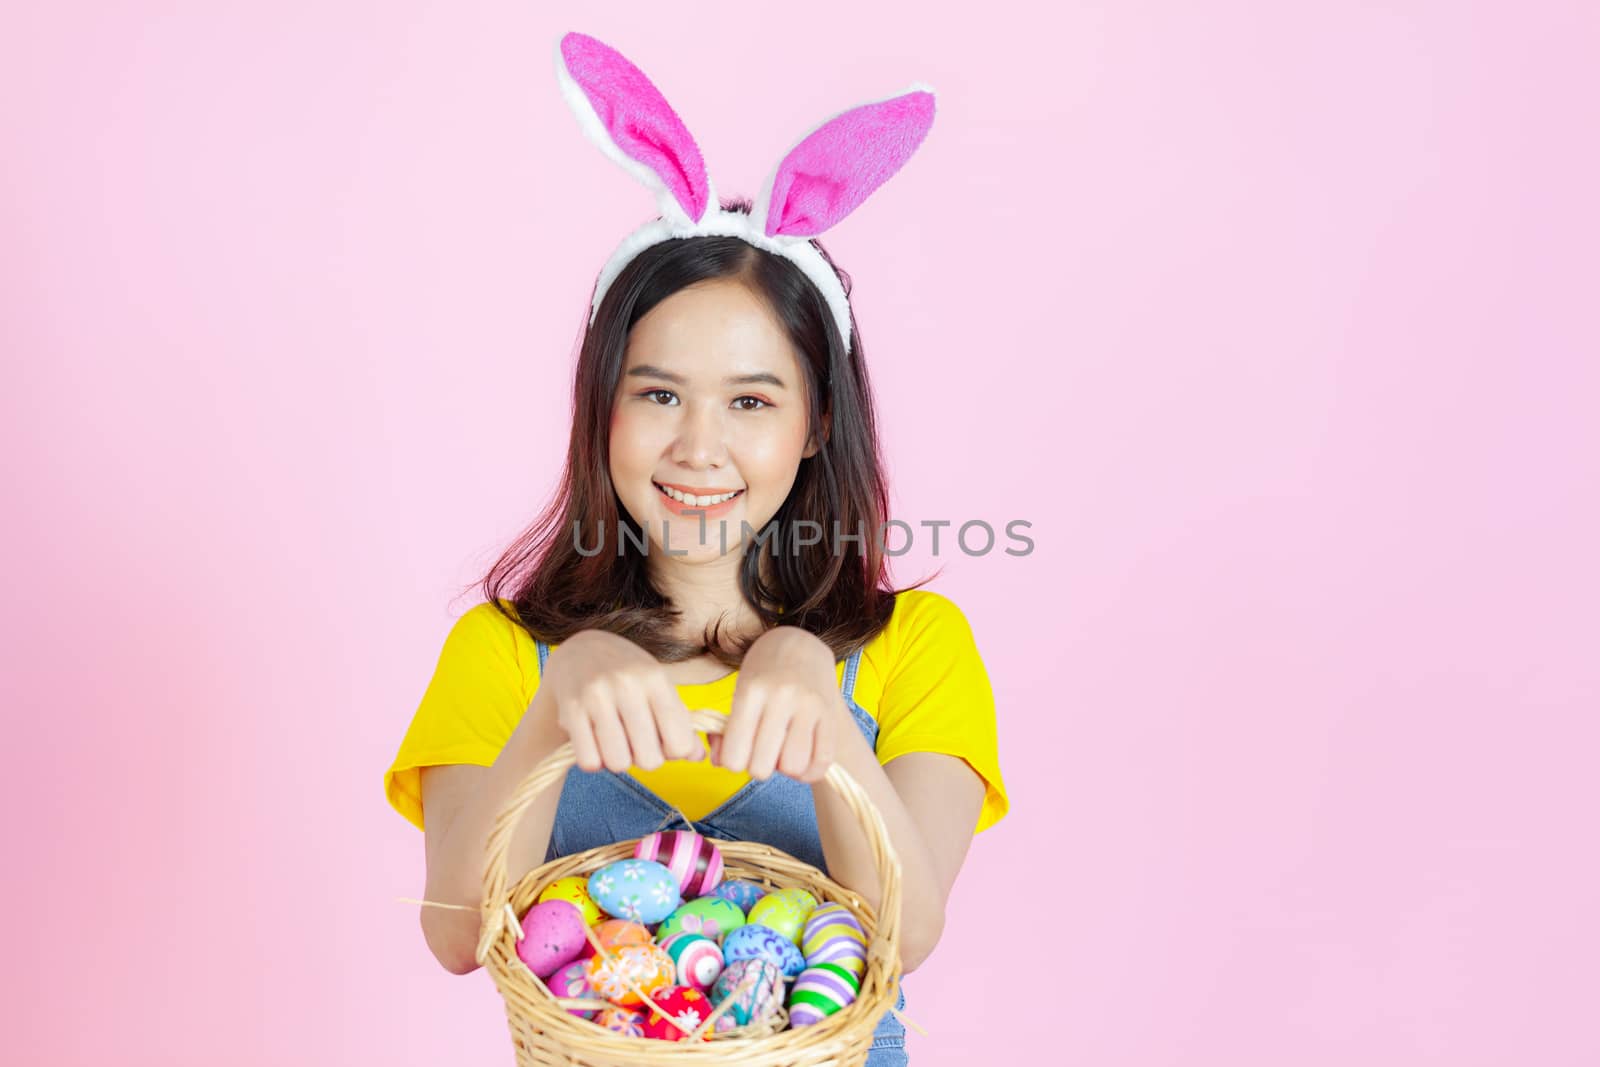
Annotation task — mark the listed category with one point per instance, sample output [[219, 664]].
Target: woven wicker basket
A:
[[545, 1034]]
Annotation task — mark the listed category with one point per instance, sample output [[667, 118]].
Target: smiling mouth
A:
[[696, 501]]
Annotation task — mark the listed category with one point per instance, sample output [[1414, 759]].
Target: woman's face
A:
[[710, 402]]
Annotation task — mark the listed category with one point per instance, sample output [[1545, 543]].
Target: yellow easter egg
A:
[[786, 911], [575, 890]]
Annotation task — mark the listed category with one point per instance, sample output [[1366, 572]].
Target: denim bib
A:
[[600, 808]]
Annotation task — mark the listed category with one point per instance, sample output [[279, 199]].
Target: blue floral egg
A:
[[742, 892], [757, 942], [641, 890]]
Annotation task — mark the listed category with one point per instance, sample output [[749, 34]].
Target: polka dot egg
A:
[[552, 936]]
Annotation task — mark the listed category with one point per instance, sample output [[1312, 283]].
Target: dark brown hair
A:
[[840, 596]]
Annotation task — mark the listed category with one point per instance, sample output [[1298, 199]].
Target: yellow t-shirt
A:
[[921, 677]]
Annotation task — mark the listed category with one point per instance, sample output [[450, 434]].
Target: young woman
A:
[[715, 543]]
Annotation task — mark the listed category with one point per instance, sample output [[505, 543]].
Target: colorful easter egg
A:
[[693, 860], [786, 911], [755, 941], [648, 966], [742, 892], [697, 958], [641, 890], [552, 936], [572, 981], [621, 1020], [688, 1006], [856, 965], [756, 986], [833, 934], [711, 916], [576, 889], [819, 992], [614, 933]]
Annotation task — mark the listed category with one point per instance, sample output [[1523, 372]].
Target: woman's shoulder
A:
[[924, 625], [489, 631], [919, 615]]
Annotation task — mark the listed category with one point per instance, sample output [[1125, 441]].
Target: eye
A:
[[757, 399], [651, 393]]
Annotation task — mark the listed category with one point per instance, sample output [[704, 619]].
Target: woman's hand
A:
[[616, 704], [787, 709]]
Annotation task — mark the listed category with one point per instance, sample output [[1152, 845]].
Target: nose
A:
[[700, 438]]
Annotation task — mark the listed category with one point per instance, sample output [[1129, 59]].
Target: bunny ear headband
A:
[[818, 182]]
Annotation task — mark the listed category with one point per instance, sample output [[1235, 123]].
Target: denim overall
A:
[[601, 808]]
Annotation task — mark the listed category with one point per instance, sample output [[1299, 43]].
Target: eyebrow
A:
[[648, 370]]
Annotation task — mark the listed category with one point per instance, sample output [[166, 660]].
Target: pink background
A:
[[1278, 326]]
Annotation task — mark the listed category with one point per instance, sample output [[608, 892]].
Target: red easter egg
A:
[[688, 1006]]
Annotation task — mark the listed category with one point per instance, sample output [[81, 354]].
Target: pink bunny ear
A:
[[838, 165], [628, 118]]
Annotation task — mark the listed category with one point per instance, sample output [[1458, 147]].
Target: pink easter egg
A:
[[692, 859], [552, 936], [572, 983]]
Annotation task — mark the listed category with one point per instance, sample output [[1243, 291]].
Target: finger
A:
[[796, 754], [739, 735], [714, 741], [769, 742], [613, 740], [585, 752], [678, 740], [822, 753], [640, 722]]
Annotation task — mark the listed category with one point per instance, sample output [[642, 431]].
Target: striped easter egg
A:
[[819, 992], [697, 957], [833, 934], [693, 860]]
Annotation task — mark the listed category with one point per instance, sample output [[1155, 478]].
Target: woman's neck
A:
[[707, 593]]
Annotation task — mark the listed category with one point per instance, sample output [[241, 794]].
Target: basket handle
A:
[[554, 767]]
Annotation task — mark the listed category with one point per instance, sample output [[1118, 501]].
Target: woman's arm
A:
[[930, 804], [615, 703], [460, 804]]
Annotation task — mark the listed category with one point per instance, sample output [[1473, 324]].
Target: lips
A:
[[681, 507]]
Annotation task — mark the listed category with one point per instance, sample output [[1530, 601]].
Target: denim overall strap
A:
[[601, 807]]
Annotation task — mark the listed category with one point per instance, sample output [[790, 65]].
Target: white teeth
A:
[[698, 501]]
